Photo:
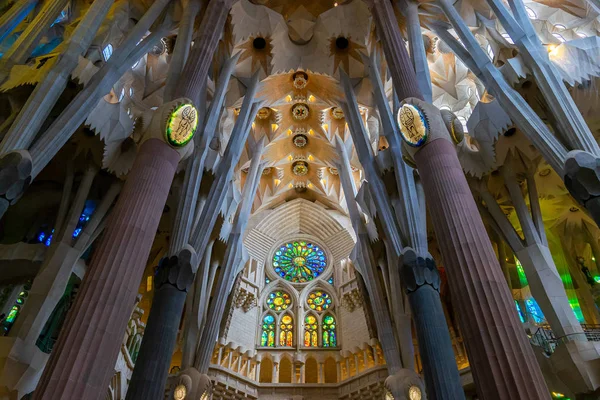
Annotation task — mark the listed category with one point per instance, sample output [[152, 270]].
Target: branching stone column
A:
[[21, 49], [501, 357], [47, 92], [440, 370], [502, 360], [83, 359], [174, 278], [233, 261], [15, 14]]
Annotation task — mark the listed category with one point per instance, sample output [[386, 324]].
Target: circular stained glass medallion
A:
[[319, 300], [279, 300], [181, 125], [413, 125], [299, 261]]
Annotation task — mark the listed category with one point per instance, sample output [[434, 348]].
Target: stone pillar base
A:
[[197, 386], [402, 383]]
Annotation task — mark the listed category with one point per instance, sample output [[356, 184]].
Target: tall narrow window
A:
[[329, 333], [310, 331], [286, 331], [267, 338]]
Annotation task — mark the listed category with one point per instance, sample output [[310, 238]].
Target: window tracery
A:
[[279, 300], [329, 331], [310, 331], [286, 331], [267, 338], [299, 261]]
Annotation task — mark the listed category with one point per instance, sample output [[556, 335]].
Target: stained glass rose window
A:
[[299, 261]]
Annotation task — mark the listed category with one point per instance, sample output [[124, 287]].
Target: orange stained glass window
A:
[[310, 331], [286, 333]]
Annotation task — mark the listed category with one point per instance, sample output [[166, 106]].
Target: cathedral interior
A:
[[295, 200]]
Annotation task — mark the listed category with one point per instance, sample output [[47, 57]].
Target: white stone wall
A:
[[354, 327], [243, 327]]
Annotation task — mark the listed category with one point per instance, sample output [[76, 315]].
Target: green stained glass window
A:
[[319, 300], [267, 337], [299, 261], [279, 300], [310, 331], [329, 331]]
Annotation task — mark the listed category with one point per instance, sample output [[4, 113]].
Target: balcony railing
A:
[[545, 338]]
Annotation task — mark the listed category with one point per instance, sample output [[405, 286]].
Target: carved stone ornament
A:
[[263, 113], [300, 111], [300, 80], [582, 177], [15, 177], [300, 140], [300, 168], [405, 385], [178, 270], [337, 113], [454, 126], [413, 125], [418, 271]]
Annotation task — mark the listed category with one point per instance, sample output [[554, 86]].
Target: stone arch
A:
[[299, 217], [330, 370], [285, 370], [266, 370], [311, 371], [279, 284]]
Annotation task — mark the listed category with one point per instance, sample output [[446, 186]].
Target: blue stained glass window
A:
[[519, 311], [299, 261], [330, 280], [534, 309]]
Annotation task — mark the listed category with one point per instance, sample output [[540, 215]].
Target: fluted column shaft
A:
[[83, 359], [422, 282], [198, 64], [401, 68], [502, 361], [174, 278]]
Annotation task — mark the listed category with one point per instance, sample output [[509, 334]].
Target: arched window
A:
[[329, 333], [267, 338], [310, 331], [286, 331]]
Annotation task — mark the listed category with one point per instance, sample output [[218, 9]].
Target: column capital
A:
[[178, 270], [16, 169], [418, 271]]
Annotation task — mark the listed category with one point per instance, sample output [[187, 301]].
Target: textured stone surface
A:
[[82, 362], [501, 357]]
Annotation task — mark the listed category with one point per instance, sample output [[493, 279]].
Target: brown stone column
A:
[[82, 362], [502, 361]]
